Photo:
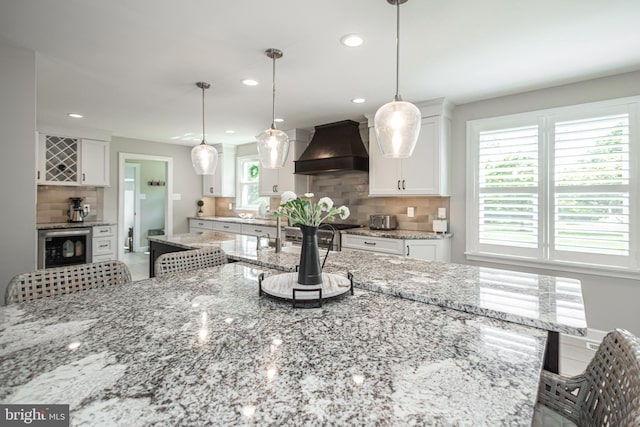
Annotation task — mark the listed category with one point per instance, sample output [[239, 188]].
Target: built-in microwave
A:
[[64, 246]]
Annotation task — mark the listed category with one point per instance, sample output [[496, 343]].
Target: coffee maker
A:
[[76, 211]]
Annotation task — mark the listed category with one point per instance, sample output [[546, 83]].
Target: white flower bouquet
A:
[[302, 210]]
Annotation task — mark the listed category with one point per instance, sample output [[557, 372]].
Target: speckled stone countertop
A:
[[546, 302], [397, 234], [52, 225], [202, 348], [251, 221]]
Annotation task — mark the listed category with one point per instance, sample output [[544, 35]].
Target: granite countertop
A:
[[252, 221], [202, 348], [398, 234], [52, 225], [546, 302]]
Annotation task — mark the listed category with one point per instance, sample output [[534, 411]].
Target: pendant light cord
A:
[[273, 97], [203, 141], [397, 97]]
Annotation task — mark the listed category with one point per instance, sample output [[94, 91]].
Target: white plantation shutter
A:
[[508, 187], [591, 187], [558, 187]]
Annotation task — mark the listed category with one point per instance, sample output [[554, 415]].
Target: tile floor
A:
[[574, 356], [138, 263]]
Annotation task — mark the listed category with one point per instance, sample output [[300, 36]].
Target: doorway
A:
[[145, 207]]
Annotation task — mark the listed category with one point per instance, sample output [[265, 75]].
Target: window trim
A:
[[546, 121], [239, 184]]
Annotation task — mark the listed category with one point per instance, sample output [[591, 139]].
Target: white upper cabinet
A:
[[422, 174], [72, 161], [94, 163], [223, 182], [273, 182]]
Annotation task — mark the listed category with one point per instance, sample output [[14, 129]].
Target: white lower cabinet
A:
[[426, 249], [430, 250], [227, 227], [373, 244], [200, 225], [104, 243], [258, 230]]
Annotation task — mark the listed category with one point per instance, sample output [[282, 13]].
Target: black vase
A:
[[309, 271]]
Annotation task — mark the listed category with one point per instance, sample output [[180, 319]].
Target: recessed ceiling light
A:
[[278, 120], [352, 40], [230, 131], [358, 100], [75, 115], [249, 82]]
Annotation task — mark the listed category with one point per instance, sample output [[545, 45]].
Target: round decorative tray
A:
[[285, 286]]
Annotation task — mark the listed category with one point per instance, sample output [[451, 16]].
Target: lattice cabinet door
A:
[[58, 160]]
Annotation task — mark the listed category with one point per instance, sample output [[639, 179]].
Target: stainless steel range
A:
[[328, 235]]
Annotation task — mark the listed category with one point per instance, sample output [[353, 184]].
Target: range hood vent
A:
[[335, 147]]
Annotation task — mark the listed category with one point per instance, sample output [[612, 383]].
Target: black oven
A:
[[64, 246]]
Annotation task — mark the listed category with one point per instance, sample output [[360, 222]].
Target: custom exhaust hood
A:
[[335, 147]]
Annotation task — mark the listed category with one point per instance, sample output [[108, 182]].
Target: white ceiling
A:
[[130, 66]]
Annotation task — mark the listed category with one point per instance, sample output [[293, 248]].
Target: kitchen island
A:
[[551, 303], [547, 302], [202, 348]]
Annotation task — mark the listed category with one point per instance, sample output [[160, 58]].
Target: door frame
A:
[[168, 212], [136, 207]]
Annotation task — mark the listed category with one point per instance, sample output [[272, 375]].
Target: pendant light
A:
[[203, 156], [397, 123], [273, 144]]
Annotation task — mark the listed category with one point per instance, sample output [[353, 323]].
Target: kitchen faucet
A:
[[278, 236]]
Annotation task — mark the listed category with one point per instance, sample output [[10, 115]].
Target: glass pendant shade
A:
[[397, 125], [204, 158], [273, 148]]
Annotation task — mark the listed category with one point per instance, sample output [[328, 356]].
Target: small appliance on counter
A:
[[76, 211], [383, 222]]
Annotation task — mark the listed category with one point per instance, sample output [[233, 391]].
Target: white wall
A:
[[185, 182], [609, 302], [18, 164]]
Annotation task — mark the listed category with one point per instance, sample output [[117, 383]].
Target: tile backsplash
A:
[[352, 190], [53, 202]]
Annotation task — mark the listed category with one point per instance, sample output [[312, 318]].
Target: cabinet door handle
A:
[[38, 174], [408, 250], [276, 188], [104, 230], [257, 230], [106, 245], [225, 226], [403, 185], [84, 177], [211, 190], [370, 243], [398, 184], [201, 223]]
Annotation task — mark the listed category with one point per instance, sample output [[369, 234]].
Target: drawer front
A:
[[374, 244], [200, 224], [104, 246], [103, 231], [258, 230], [100, 258], [227, 227]]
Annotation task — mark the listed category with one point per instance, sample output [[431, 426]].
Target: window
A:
[[247, 196], [557, 186]]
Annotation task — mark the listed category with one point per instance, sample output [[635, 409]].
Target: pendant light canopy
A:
[[273, 144], [203, 156], [397, 123]]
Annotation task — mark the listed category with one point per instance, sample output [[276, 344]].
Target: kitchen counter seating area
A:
[[201, 348]]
